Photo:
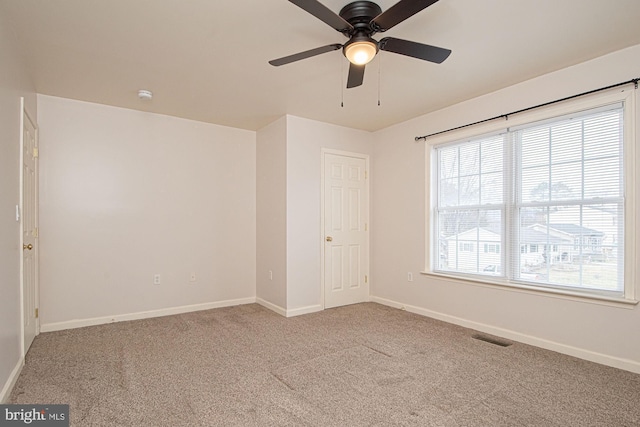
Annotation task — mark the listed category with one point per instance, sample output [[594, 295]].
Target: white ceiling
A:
[[207, 60]]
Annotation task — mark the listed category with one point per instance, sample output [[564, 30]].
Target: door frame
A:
[[364, 157], [25, 114]]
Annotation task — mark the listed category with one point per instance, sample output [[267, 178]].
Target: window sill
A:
[[496, 283]]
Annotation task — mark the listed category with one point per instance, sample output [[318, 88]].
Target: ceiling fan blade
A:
[[356, 75], [324, 14], [399, 12], [304, 55], [415, 50]]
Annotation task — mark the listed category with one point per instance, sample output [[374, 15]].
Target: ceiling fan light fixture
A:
[[361, 52]]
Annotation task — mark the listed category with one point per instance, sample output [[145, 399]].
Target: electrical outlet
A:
[[192, 277], [409, 277], [156, 279]]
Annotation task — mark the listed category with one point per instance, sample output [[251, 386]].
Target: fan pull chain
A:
[[379, 66], [341, 83]]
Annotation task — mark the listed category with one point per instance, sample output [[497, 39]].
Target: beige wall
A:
[[271, 189], [14, 84], [594, 331], [126, 195]]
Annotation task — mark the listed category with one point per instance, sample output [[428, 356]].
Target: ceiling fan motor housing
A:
[[359, 14]]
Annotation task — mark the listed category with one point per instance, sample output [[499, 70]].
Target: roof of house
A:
[[529, 235], [576, 230]]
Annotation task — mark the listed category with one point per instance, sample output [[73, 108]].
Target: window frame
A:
[[628, 97]]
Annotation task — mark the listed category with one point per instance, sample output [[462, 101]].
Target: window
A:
[[550, 193], [466, 247], [490, 248]]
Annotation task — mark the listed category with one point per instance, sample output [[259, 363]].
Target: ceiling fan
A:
[[359, 20]]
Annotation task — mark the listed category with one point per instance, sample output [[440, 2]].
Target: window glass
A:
[[564, 208]]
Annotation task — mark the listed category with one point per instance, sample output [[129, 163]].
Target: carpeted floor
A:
[[360, 365]]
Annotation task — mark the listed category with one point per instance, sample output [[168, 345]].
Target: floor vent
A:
[[492, 340]]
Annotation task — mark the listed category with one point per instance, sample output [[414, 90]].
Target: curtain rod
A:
[[506, 116]]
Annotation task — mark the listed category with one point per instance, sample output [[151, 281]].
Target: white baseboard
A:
[[11, 382], [604, 359], [289, 313], [80, 323], [304, 310], [271, 306]]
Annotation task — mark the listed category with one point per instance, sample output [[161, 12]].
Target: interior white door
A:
[[346, 245], [29, 219]]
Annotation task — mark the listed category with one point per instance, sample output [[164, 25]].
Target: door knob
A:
[[29, 246], [329, 239]]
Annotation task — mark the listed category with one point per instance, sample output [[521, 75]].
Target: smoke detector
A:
[[145, 95]]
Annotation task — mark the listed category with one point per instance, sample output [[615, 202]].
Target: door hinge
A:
[[35, 232], [366, 174], [366, 227], [366, 279], [36, 313], [36, 152]]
